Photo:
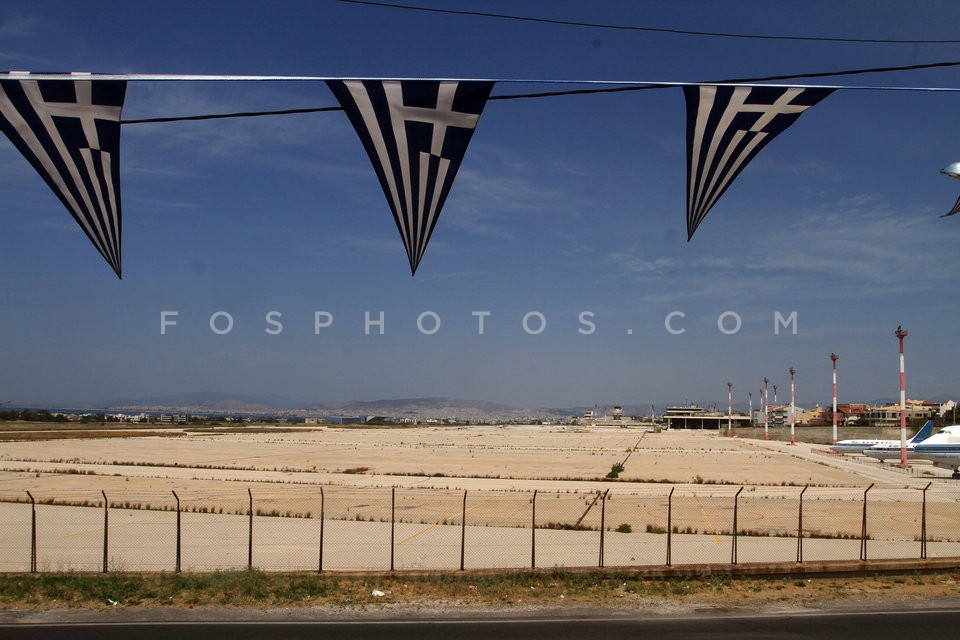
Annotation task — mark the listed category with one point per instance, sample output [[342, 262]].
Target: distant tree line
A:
[[28, 415], [43, 415]]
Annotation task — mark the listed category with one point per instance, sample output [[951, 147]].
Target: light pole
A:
[[776, 403], [761, 409], [901, 333], [729, 409], [766, 409], [834, 358], [750, 396], [793, 411]]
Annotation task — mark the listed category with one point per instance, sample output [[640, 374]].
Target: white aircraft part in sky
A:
[[952, 170]]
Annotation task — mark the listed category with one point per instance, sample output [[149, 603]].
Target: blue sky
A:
[[563, 205]]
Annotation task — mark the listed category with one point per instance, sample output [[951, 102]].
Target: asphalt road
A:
[[901, 625]]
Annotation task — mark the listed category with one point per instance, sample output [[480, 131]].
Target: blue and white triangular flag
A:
[[69, 130], [416, 133], [726, 127], [956, 209]]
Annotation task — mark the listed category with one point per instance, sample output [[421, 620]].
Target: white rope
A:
[[161, 77]]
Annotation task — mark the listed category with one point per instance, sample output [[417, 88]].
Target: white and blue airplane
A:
[[859, 446], [942, 449], [891, 448]]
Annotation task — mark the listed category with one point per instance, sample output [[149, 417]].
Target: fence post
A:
[[800, 526], [250, 533], [669, 524], [393, 519], [923, 524], [320, 564], [603, 520], [177, 498], [733, 546], [533, 533], [106, 522], [863, 530], [33, 533], [463, 530]]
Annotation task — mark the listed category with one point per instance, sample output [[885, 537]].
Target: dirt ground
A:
[[502, 459], [525, 452]]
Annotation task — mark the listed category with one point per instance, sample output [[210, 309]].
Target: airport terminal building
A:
[[694, 417]]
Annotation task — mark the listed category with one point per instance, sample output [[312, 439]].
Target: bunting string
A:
[[632, 86], [415, 131]]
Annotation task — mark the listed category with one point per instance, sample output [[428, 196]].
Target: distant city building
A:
[[847, 414], [343, 419], [948, 407], [693, 417], [889, 416], [812, 416], [780, 416]]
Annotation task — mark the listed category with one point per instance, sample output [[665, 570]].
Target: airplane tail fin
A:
[[925, 432]]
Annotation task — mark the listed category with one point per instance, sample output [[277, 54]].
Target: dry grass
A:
[[19, 431], [43, 431], [36, 436], [461, 590]]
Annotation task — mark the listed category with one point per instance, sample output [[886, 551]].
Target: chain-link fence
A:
[[340, 528]]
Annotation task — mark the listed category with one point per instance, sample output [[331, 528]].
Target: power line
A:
[[631, 86], [621, 27], [242, 114], [741, 81]]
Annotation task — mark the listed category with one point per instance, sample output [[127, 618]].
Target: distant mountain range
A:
[[435, 407], [418, 408], [401, 406], [207, 401]]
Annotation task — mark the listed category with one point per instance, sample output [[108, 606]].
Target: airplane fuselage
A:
[[862, 446], [887, 450], [942, 449], [859, 446]]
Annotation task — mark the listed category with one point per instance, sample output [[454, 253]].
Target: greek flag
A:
[[726, 127], [69, 130], [956, 209], [416, 133]]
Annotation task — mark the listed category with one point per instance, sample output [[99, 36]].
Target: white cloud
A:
[[22, 28], [858, 245], [19, 27], [254, 138], [497, 186]]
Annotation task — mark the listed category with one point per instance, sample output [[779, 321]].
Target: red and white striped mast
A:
[[729, 409], [793, 410], [766, 408], [834, 358], [901, 333]]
